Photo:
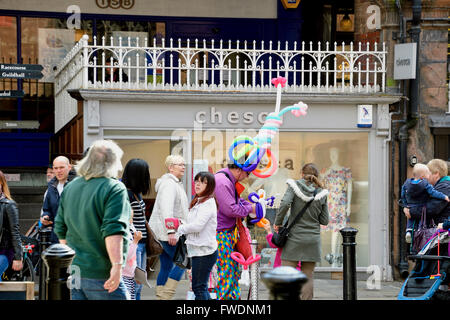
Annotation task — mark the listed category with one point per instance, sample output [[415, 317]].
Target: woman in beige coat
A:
[[303, 242], [171, 202]]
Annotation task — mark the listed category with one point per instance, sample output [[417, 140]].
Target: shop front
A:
[[352, 158]]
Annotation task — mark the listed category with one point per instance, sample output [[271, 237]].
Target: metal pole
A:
[[349, 269], [284, 283], [254, 274], [44, 237], [58, 258]]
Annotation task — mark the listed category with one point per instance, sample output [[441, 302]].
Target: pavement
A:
[[324, 289]]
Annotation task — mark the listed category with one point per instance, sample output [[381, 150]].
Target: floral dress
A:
[[336, 182]]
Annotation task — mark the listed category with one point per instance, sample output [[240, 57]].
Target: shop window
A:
[[8, 54], [342, 159], [129, 32], [45, 41], [442, 144]]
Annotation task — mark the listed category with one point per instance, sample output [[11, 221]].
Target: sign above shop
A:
[[115, 4], [405, 61], [232, 117], [364, 116], [290, 4]]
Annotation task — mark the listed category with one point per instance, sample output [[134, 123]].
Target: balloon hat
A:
[[255, 148]]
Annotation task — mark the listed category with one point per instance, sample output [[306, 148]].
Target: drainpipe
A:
[[412, 118]]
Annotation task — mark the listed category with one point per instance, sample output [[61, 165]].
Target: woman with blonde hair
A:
[[171, 202], [10, 242], [303, 243]]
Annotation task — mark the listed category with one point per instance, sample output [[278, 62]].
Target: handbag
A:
[[153, 246], [180, 257], [279, 238], [423, 232], [243, 240]]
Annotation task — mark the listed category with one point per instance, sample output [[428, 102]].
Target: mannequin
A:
[[338, 180]]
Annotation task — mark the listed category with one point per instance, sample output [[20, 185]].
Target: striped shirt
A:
[[139, 220]]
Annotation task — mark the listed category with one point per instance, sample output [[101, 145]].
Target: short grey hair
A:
[[174, 159], [102, 160]]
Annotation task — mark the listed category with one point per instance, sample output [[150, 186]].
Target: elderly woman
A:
[[171, 202]]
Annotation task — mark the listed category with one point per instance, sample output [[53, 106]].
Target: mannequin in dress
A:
[[338, 180]]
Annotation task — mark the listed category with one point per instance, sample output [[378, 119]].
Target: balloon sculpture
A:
[[255, 148]]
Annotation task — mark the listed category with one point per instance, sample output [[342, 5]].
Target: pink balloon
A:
[[239, 258]]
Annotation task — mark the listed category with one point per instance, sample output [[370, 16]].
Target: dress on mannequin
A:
[[338, 181]]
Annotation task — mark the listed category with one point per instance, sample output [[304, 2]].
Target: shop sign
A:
[[232, 117], [115, 4], [405, 61], [290, 4], [364, 116]]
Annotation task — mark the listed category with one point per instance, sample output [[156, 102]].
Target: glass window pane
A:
[[8, 54], [342, 159]]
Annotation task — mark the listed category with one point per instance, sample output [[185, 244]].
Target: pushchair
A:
[[429, 279]]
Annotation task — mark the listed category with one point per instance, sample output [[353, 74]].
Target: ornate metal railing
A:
[[136, 64]]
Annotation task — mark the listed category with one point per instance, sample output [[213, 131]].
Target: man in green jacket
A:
[[93, 219]]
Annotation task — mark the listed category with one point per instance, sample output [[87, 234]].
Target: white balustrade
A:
[[209, 66]]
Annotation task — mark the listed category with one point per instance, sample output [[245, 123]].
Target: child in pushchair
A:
[[430, 277]]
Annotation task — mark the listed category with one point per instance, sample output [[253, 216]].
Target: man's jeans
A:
[[92, 289]]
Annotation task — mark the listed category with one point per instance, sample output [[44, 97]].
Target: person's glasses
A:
[[180, 164]]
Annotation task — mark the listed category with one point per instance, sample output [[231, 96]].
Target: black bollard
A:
[[349, 244], [284, 283], [58, 258], [44, 237]]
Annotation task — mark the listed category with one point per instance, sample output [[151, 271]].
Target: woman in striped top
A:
[[136, 177]]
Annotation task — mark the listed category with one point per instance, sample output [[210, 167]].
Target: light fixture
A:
[[346, 23]]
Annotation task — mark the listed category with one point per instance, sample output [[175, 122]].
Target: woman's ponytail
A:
[[311, 174]]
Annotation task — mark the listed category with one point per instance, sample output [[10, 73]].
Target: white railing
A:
[[221, 67], [68, 76]]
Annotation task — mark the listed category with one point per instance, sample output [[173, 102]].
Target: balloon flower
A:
[[255, 148]]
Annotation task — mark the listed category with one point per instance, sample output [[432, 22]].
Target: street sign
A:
[[19, 124], [21, 75], [20, 67], [21, 71], [11, 94]]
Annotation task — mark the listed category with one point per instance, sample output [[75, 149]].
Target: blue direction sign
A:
[[21, 71], [11, 94]]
